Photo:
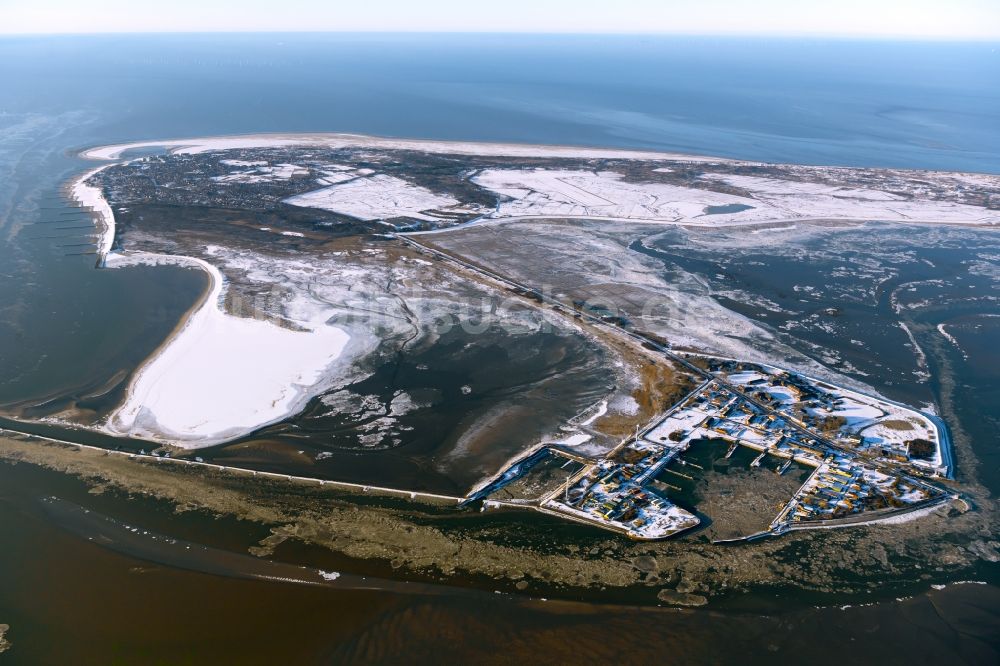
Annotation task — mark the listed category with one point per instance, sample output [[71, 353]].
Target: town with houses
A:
[[871, 459]]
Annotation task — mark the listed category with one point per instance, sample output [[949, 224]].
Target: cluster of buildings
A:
[[873, 428], [841, 490], [776, 413], [615, 493]]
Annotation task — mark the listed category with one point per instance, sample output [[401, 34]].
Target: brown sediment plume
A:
[[430, 540]]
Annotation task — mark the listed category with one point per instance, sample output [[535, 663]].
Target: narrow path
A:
[[343, 485]]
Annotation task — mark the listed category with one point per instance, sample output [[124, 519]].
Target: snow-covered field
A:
[[561, 193], [260, 172], [686, 420], [853, 411], [792, 199], [222, 376], [606, 195], [156, 406], [375, 197]]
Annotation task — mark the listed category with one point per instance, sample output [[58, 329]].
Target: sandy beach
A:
[[90, 197], [336, 140]]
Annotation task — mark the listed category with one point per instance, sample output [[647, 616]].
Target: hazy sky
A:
[[942, 19]]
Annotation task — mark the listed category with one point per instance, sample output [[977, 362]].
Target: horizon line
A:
[[902, 37]]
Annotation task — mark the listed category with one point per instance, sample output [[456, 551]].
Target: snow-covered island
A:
[[436, 184], [322, 259]]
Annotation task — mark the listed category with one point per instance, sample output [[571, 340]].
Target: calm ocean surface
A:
[[66, 327], [912, 105]]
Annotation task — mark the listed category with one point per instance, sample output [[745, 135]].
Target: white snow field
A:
[[260, 172], [605, 195], [559, 193], [222, 376], [375, 197], [819, 200], [248, 373]]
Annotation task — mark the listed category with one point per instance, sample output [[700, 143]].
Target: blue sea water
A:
[[899, 104]]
